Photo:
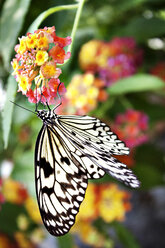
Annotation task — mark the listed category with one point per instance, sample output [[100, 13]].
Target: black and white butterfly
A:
[[69, 151]]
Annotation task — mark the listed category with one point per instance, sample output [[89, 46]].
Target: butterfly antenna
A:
[[23, 107], [58, 97]]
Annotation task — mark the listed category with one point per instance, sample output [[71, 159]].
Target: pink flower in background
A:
[[118, 67], [113, 60], [127, 46], [131, 127]]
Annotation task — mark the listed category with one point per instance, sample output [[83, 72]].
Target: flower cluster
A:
[[112, 60], [23, 233], [159, 70], [131, 127], [83, 94], [91, 236], [106, 201], [101, 200], [14, 192], [36, 61]]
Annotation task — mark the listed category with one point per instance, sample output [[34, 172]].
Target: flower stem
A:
[[49, 12], [75, 25], [104, 108], [76, 22]]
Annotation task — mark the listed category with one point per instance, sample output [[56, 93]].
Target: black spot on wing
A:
[[48, 170], [47, 190], [72, 132], [65, 160]]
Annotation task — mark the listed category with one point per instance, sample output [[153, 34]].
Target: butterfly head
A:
[[46, 115]]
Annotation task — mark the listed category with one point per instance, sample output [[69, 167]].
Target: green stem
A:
[[126, 103], [76, 22], [75, 25], [49, 12], [104, 108]]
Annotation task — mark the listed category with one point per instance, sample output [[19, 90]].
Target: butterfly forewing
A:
[[95, 132]]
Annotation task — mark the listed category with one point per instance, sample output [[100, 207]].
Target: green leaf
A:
[[48, 12], [8, 109], [136, 83], [142, 29], [67, 239], [125, 236], [13, 14], [24, 170], [129, 4]]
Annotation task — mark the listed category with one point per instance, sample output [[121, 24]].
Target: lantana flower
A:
[[107, 201], [90, 235], [83, 94], [131, 127], [36, 64], [14, 192], [111, 60]]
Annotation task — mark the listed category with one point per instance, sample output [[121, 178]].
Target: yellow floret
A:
[[31, 41], [24, 84], [111, 206], [41, 57], [72, 92], [92, 92], [15, 64], [49, 70], [22, 47], [88, 79], [43, 43], [81, 101]]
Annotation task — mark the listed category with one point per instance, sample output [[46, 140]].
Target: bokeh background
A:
[[116, 73]]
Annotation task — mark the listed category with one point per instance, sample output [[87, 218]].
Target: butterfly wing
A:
[[68, 151], [97, 144], [95, 132], [61, 181]]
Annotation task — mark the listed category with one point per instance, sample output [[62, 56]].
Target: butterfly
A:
[[69, 151]]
